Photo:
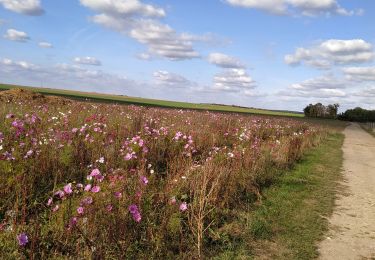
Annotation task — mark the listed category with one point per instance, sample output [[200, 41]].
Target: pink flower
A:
[[74, 130], [95, 172], [68, 188], [109, 208], [60, 193], [80, 210], [56, 208], [95, 189], [144, 180], [49, 202], [88, 187], [183, 206]]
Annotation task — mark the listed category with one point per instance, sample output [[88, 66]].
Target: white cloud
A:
[[88, 61], [324, 82], [301, 7], [233, 80], [327, 86], [169, 79], [11, 65], [366, 93], [360, 73], [45, 45], [27, 7], [14, 35], [331, 52], [225, 61], [124, 8], [132, 18]]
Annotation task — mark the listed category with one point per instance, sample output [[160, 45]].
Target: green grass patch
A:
[[368, 129], [107, 98], [293, 215]]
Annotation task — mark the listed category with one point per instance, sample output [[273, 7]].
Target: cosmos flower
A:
[[68, 188], [22, 239], [183, 206], [95, 189], [144, 180], [80, 210]]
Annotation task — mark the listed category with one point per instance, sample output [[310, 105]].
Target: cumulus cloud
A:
[[124, 8], [333, 51], [88, 61], [292, 7], [14, 35], [327, 86], [360, 73], [225, 61], [138, 21], [169, 79], [323, 82], [10, 65], [45, 45], [233, 80], [27, 7]]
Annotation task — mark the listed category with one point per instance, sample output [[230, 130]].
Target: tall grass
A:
[[105, 181]]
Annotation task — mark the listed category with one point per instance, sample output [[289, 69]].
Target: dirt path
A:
[[352, 225]]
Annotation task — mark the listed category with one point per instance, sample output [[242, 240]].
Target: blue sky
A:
[[278, 54]]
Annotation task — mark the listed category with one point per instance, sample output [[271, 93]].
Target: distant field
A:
[[150, 102]]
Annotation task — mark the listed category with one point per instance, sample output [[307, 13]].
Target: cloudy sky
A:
[[277, 54]]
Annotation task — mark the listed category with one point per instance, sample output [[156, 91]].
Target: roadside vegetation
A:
[[84, 180]]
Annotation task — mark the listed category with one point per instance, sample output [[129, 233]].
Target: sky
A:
[[274, 54]]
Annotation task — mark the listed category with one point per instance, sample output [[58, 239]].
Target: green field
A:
[[106, 98]]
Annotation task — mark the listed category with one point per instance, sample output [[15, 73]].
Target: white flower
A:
[[101, 160]]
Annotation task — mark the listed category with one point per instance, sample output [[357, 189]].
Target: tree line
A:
[[358, 115], [330, 111]]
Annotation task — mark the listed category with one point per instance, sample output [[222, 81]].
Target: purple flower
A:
[[183, 206], [95, 189], [133, 209], [86, 201], [73, 221], [49, 202], [118, 194], [68, 188], [22, 239]]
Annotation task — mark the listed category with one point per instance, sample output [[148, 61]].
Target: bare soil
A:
[[352, 225]]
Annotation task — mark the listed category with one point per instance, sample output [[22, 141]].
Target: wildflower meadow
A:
[[102, 181]]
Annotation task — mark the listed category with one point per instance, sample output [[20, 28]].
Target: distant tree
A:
[[321, 111]]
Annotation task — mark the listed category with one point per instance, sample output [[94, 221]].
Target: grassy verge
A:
[[292, 217], [368, 129]]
